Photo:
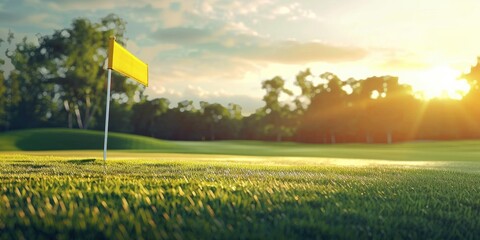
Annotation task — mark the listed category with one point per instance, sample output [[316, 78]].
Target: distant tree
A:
[[302, 102], [145, 115], [473, 77], [325, 117], [368, 95], [214, 115], [184, 122], [471, 100], [334, 99], [252, 127], [120, 118], [234, 123], [308, 90], [3, 103], [399, 108], [3, 95], [278, 116]]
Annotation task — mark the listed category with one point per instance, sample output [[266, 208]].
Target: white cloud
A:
[[197, 91], [308, 14], [283, 10], [228, 10], [162, 91], [293, 11], [239, 28]]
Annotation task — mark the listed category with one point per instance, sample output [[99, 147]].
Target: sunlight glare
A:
[[441, 82]]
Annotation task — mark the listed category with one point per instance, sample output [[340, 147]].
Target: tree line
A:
[[60, 82]]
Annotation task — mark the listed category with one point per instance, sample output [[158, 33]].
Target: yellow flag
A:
[[122, 61]]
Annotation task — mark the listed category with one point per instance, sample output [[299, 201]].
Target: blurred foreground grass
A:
[[186, 196]]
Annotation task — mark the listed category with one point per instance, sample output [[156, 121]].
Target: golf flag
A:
[[122, 61]]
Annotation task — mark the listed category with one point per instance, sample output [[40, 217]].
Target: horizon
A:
[[200, 51]]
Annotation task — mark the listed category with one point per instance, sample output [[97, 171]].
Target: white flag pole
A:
[[107, 112]]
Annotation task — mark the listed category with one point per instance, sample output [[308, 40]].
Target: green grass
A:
[[69, 139], [187, 196], [234, 189]]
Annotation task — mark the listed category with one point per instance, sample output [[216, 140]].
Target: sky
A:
[[221, 51]]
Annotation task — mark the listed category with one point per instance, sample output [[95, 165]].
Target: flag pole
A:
[[106, 115]]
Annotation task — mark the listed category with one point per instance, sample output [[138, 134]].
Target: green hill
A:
[[74, 139]]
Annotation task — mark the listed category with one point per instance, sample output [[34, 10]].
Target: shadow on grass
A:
[[27, 165], [82, 161]]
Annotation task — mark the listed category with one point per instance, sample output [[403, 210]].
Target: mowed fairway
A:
[[150, 194]]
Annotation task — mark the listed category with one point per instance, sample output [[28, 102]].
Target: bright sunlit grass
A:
[[441, 82], [190, 197]]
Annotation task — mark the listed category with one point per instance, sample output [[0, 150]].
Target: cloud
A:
[[184, 35], [149, 53], [10, 17], [283, 10], [221, 55], [293, 11], [229, 10], [21, 16], [39, 19], [161, 90], [294, 52], [236, 41], [201, 69], [395, 64], [398, 60], [166, 13], [66, 5]]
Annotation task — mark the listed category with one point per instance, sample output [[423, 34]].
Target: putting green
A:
[[216, 159]]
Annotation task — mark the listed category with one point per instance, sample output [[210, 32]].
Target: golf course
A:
[[54, 184], [260, 119]]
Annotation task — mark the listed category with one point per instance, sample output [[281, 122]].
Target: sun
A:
[[440, 82]]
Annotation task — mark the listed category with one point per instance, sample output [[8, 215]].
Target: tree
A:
[[74, 60], [180, 123], [473, 77], [29, 94], [145, 115], [120, 118], [398, 106], [471, 100], [277, 115], [308, 90], [252, 127], [3, 100], [213, 114], [233, 124], [3, 96], [368, 95], [327, 113]]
